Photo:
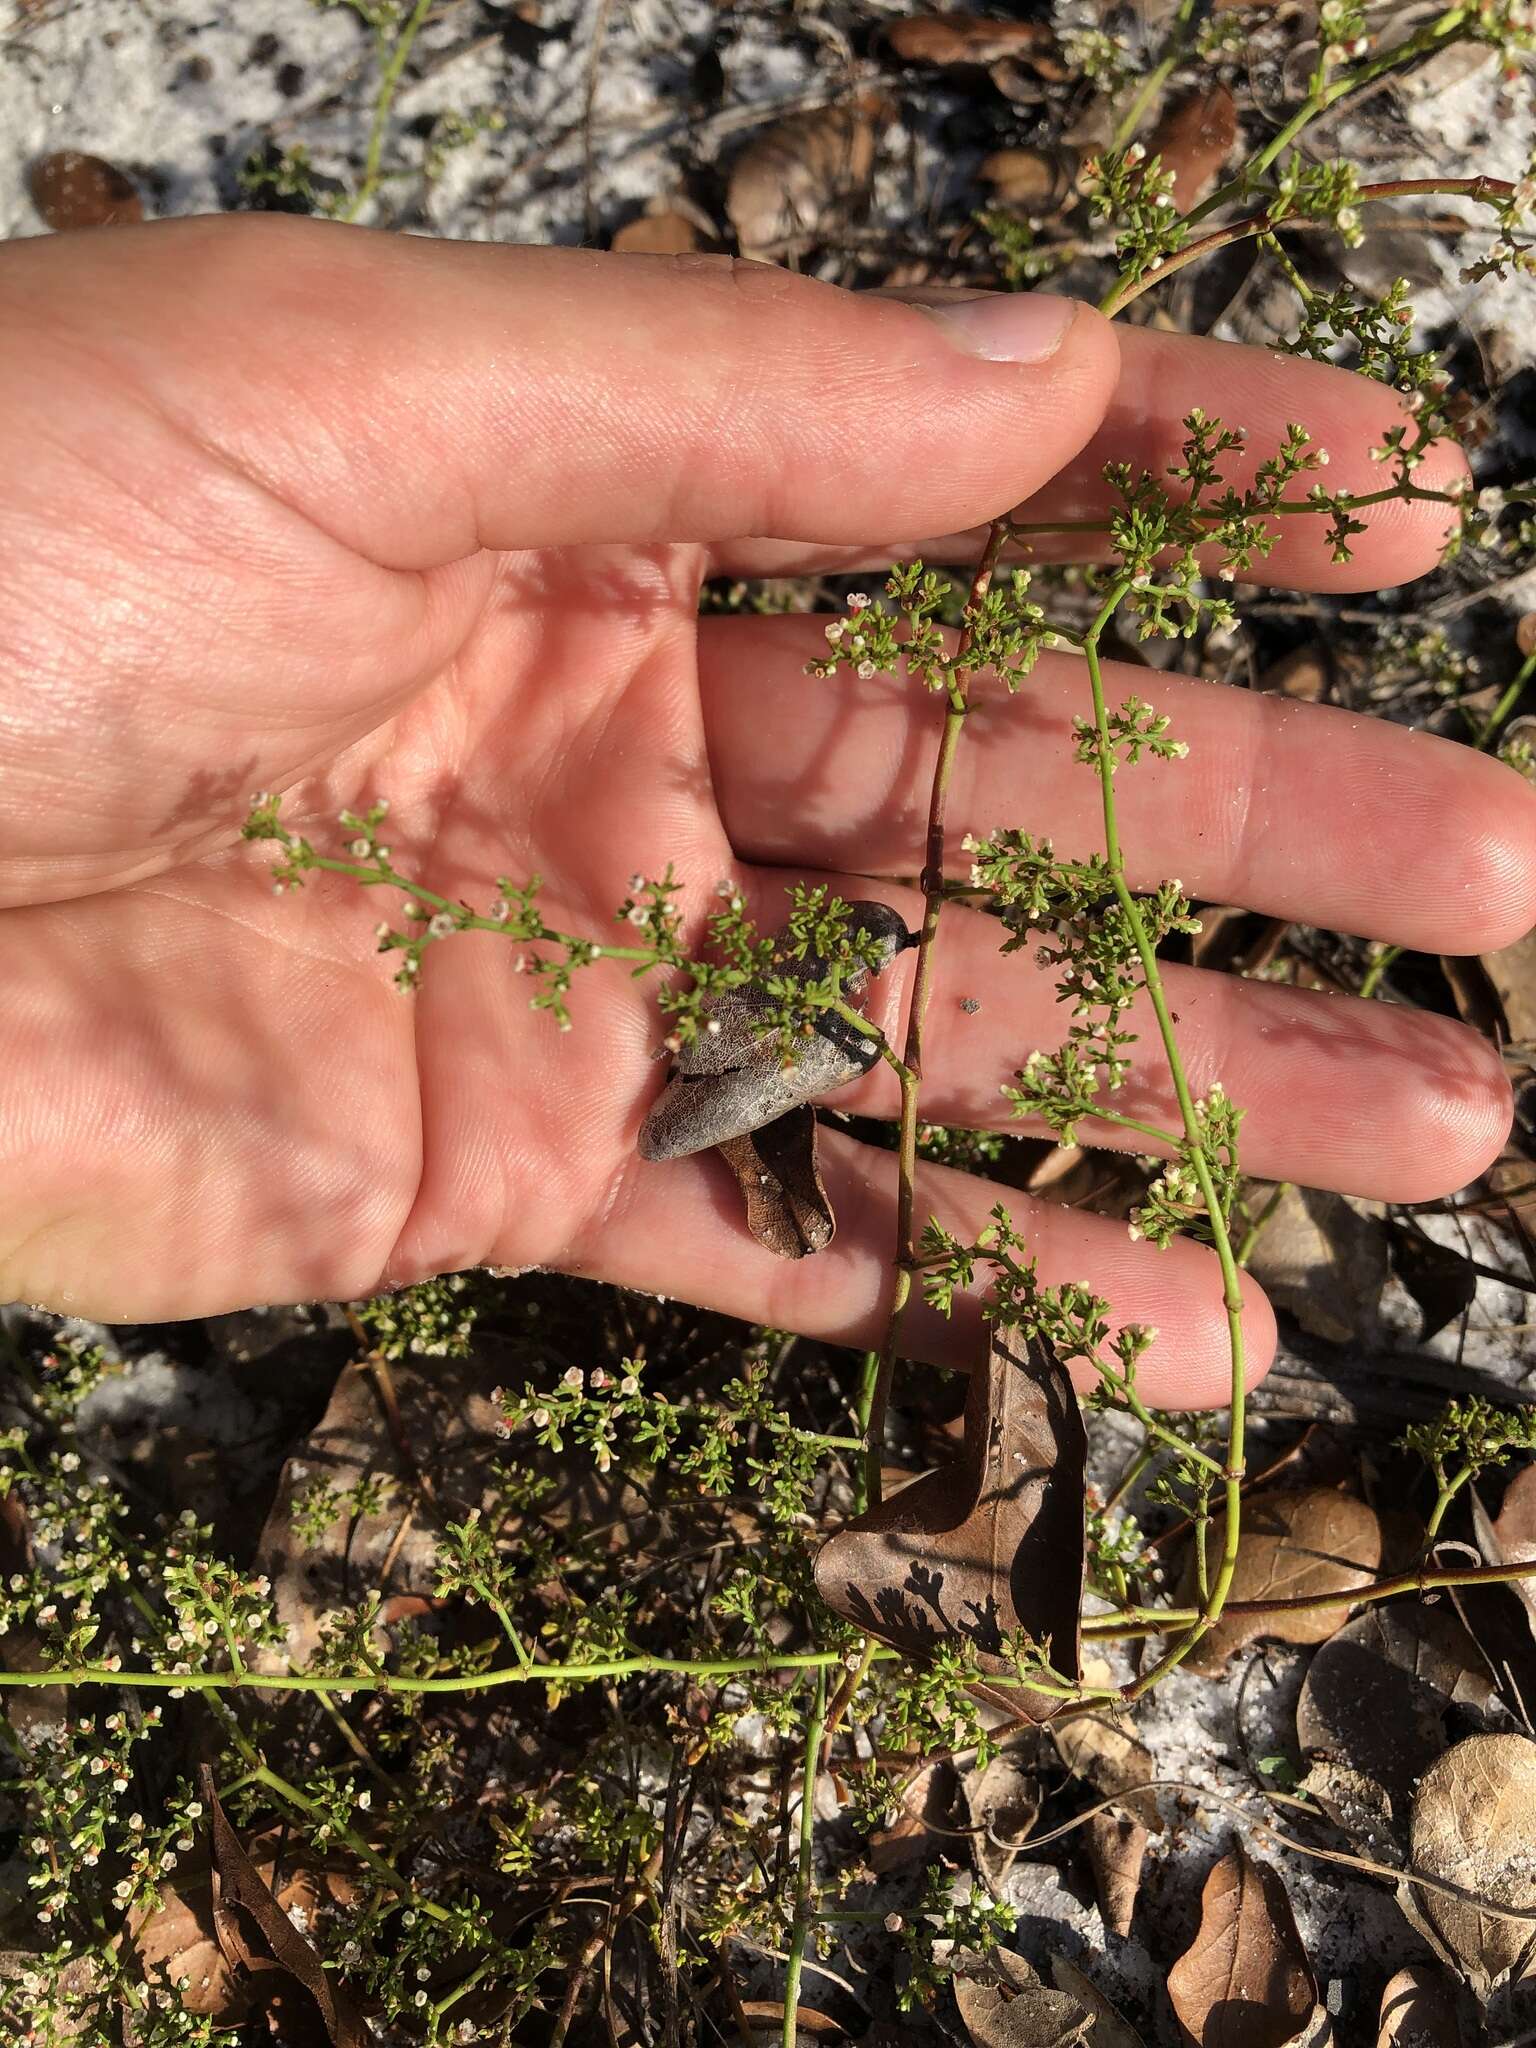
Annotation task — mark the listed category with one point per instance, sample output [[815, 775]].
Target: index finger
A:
[[1163, 378]]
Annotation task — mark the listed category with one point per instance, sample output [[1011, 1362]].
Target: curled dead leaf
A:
[[73, 190], [922, 1827], [1117, 1849], [976, 39], [1003, 1802], [1377, 1693], [1525, 634], [1295, 1543], [1244, 1981], [1005, 2005], [1474, 1825], [988, 1546], [791, 179], [1029, 180], [1103, 1752], [1193, 140], [664, 233], [1418, 2010], [1512, 970], [1510, 1538], [1109, 2030], [239, 1888]]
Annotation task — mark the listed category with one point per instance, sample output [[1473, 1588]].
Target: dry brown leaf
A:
[[976, 39], [176, 1946], [239, 1887], [1418, 2010], [988, 1545], [1474, 1825], [927, 1808], [1324, 1261], [1244, 1981], [1525, 634], [1294, 1543], [73, 190], [1117, 1849], [657, 234], [1512, 971], [1031, 180], [1302, 674], [1194, 140], [1510, 1538], [1005, 2005], [1107, 1756], [1359, 1808], [1109, 2030], [779, 1175], [1003, 1800], [789, 180], [1377, 1692], [765, 2024]]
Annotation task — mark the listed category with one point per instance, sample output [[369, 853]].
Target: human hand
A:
[[296, 507]]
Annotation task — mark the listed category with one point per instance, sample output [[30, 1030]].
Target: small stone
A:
[[72, 190]]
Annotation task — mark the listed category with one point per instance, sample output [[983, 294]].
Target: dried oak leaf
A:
[[1309, 1540], [1418, 2010], [791, 179], [664, 233], [1003, 1801], [779, 1174], [1109, 2030], [1030, 180], [1512, 971], [1099, 1750], [987, 1546], [1004, 2005], [73, 190], [976, 39], [1193, 141], [240, 1889], [765, 2024], [922, 1827], [1244, 1981], [1474, 1825], [1510, 1538], [1377, 1693]]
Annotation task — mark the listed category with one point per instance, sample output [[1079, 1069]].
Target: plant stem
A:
[[1256, 1228], [1161, 1620], [336, 1683], [1232, 1293], [911, 1067], [1174, 50], [805, 1871], [383, 106], [1266, 223]]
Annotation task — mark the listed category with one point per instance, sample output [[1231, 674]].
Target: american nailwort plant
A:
[[120, 1611]]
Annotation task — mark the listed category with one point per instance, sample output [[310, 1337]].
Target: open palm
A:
[[296, 507]]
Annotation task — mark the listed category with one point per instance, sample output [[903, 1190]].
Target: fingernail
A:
[[1008, 327]]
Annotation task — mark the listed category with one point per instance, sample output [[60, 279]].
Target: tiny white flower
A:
[[441, 926]]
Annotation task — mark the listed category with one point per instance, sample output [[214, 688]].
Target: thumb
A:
[[418, 399]]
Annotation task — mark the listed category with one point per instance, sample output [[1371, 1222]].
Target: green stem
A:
[[1506, 703], [1257, 1227], [868, 1375], [1174, 51], [383, 107], [389, 1682], [805, 1870], [1449, 1489], [1265, 224], [910, 1068], [1232, 1291]]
